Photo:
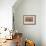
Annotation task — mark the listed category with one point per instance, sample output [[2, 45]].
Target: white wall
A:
[[6, 18], [6, 13], [43, 22], [28, 7], [34, 31]]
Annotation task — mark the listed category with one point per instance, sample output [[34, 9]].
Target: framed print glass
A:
[[29, 19]]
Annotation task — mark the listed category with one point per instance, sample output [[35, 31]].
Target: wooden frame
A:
[[29, 19]]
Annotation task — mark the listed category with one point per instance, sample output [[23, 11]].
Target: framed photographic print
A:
[[29, 19]]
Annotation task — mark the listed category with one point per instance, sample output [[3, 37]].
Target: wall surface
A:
[[38, 31], [6, 18], [28, 7], [6, 13], [43, 22]]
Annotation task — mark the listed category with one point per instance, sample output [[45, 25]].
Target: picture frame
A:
[[29, 19]]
